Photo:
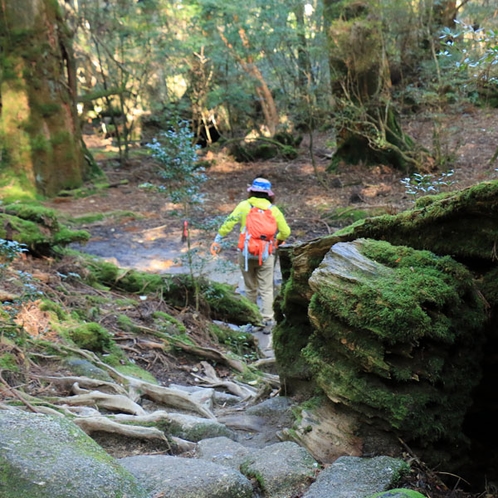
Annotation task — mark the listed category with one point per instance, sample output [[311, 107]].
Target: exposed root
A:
[[212, 380], [112, 402], [104, 424]]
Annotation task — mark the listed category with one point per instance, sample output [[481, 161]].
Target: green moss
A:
[[398, 493], [409, 302], [39, 143], [87, 219], [126, 324], [403, 408], [66, 236], [48, 109], [289, 338], [34, 212], [132, 370], [240, 343], [91, 336], [8, 362], [50, 306], [168, 324], [94, 217], [310, 405], [61, 138], [345, 216], [101, 271]]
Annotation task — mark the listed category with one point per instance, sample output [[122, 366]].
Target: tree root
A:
[[212, 380], [137, 388], [104, 424], [111, 402]]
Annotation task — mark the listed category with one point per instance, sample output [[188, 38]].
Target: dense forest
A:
[[142, 121], [270, 70]]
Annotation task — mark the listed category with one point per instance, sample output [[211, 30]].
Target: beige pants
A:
[[259, 280]]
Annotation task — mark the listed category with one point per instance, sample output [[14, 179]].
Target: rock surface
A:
[[49, 457], [169, 476], [44, 456], [354, 477]]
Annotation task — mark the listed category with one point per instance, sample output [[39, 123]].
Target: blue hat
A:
[[260, 185]]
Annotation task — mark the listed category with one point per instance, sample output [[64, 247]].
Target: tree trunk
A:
[[266, 99], [367, 125], [304, 76], [40, 141], [445, 13]]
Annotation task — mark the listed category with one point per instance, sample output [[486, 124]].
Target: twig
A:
[[423, 466], [14, 392]]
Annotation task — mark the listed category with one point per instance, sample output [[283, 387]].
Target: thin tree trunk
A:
[[263, 91]]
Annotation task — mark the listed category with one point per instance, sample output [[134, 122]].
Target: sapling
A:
[[176, 155], [420, 184], [9, 250]]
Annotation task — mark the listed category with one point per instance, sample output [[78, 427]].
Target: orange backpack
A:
[[257, 239]]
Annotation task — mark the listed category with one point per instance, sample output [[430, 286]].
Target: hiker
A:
[[256, 249]]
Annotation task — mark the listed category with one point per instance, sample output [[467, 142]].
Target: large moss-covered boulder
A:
[[388, 318]]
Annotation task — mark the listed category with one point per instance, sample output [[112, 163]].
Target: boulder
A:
[[281, 469], [391, 319], [171, 477], [354, 477], [222, 451], [194, 428], [43, 456]]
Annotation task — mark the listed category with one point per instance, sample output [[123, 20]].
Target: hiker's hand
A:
[[280, 242], [215, 248]]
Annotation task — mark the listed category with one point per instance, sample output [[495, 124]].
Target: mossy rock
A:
[[341, 217], [84, 368], [282, 144], [393, 333], [216, 300], [91, 336], [44, 456], [398, 493], [38, 228], [463, 224]]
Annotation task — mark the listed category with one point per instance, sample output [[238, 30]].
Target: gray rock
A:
[[277, 411], [282, 469], [223, 451], [271, 407], [50, 457], [194, 428], [174, 477], [356, 477], [84, 368]]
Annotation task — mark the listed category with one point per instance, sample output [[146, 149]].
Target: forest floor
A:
[[142, 230], [147, 235]]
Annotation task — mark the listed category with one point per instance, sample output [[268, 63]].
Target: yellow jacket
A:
[[239, 215]]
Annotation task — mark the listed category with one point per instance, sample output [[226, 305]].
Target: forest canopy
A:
[[270, 70]]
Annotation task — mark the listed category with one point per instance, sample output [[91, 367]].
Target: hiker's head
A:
[[261, 187]]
